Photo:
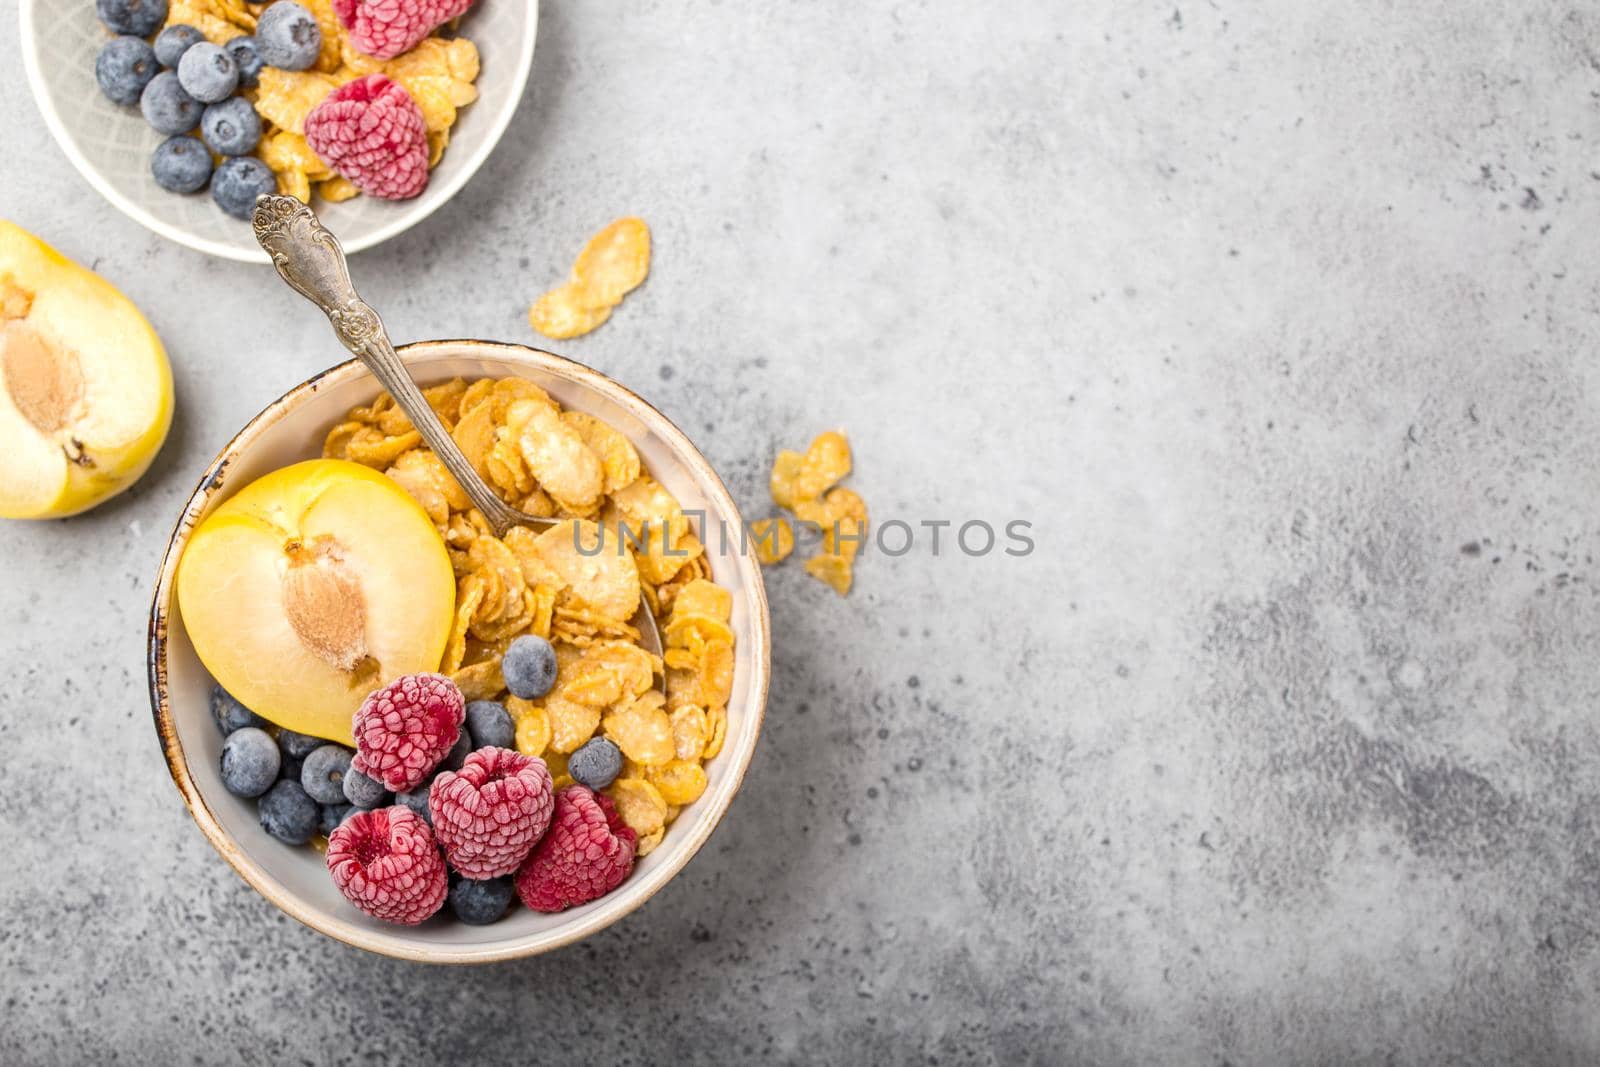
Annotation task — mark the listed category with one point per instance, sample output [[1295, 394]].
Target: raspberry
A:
[[371, 131], [586, 854], [404, 729], [385, 28], [385, 862], [488, 816]]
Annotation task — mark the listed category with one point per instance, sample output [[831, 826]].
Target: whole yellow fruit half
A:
[[85, 387], [313, 586]]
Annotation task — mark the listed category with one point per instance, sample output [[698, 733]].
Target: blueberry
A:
[[238, 182], [228, 713], [362, 791], [596, 763], [250, 761], [123, 68], [138, 17], [174, 41], [329, 817], [247, 57], [480, 903], [207, 73], [490, 724], [288, 814], [529, 666], [298, 745], [288, 37], [181, 164], [322, 774], [458, 753], [417, 801], [231, 127], [167, 107]]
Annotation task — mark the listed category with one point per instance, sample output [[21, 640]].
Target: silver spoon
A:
[[311, 260]]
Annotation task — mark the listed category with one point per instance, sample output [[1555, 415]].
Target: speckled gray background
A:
[[1277, 319]]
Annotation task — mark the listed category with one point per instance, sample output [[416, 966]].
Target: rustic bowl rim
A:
[[394, 944]]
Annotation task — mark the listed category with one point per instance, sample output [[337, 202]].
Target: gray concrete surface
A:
[[1277, 320]]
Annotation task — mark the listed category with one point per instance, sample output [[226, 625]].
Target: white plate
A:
[[111, 145]]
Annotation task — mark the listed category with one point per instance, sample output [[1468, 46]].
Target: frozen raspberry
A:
[[385, 28], [385, 862], [586, 854], [371, 131], [404, 729], [488, 816]]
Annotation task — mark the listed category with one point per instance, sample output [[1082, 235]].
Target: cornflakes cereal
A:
[[642, 731], [618, 458], [842, 516], [294, 183], [372, 447], [716, 673], [533, 726], [477, 392], [424, 476], [614, 263], [219, 22], [285, 150], [609, 673], [489, 556], [285, 97], [799, 482], [660, 560], [785, 472], [571, 723], [701, 597], [563, 313], [678, 781], [593, 565], [647, 843], [683, 687], [556, 455], [507, 392], [480, 681], [445, 399], [689, 630], [689, 732], [825, 462], [834, 570], [581, 627], [773, 540], [553, 583], [639, 803], [439, 75], [469, 594], [504, 462], [717, 719]]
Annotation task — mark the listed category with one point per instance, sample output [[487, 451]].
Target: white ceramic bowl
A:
[[111, 145], [295, 879]]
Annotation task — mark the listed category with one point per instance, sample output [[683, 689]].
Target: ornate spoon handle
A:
[[311, 260]]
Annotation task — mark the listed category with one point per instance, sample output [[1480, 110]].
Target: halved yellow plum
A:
[[85, 387], [313, 586]]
